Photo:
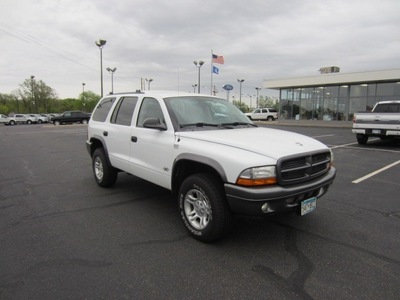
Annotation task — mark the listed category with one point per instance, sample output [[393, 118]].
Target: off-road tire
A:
[[105, 175], [203, 207]]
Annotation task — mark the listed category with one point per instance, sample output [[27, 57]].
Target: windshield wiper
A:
[[239, 123], [199, 124]]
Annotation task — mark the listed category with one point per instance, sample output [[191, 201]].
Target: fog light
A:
[[265, 208]]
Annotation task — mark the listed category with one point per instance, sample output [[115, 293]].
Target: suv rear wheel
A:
[[104, 174], [203, 207]]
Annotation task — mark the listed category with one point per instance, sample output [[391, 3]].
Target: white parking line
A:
[[376, 172], [344, 145], [319, 136]]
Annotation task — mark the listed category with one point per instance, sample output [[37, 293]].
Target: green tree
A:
[[88, 100], [270, 102], [241, 105], [8, 104], [36, 96]]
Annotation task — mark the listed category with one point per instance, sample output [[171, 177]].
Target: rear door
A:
[[118, 133]]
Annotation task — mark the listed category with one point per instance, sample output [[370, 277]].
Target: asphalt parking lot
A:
[[63, 237]]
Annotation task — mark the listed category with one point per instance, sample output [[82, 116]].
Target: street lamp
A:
[[240, 91], [251, 100], [112, 78], [198, 66], [258, 89], [100, 43], [149, 81], [33, 102], [194, 85], [83, 95], [83, 91]]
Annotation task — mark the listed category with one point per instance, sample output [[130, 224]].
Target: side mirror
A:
[[154, 123]]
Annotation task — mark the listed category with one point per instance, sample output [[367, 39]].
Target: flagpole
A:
[[212, 67]]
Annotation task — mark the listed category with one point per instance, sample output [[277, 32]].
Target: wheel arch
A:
[[188, 164], [95, 143]]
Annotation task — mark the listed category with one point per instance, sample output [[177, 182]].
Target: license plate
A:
[[376, 131], [308, 205]]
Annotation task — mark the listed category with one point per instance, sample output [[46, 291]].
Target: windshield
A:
[[201, 112]]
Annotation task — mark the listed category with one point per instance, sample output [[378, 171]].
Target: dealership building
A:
[[334, 96]]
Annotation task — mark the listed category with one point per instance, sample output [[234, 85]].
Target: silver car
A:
[[4, 119]]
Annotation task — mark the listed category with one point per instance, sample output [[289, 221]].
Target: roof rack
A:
[[136, 92]]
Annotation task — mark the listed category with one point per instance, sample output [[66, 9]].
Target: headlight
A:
[[332, 159], [258, 176]]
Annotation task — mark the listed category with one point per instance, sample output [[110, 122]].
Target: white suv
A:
[[21, 118], [266, 114], [209, 154]]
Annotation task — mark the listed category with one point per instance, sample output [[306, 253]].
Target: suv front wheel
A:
[[203, 207], [104, 174]]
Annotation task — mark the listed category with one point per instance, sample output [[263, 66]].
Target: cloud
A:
[[54, 40]]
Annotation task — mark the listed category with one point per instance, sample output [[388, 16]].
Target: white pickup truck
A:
[[383, 122], [212, 158]]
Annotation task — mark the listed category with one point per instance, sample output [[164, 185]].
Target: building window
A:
[[388, 91]]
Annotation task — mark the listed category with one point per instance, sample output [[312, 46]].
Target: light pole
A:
[[100, 43], [198, 66], [83, 95], [149, 81], [251, 100], [194, 85], [258, 89], [240, 91], [83, 91], [112, 78], [33, 98]]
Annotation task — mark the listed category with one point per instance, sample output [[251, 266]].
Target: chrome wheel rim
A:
[[197, 209], [98, 168]]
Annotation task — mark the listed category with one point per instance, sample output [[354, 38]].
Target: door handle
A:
[[133, 139], [105, 133]]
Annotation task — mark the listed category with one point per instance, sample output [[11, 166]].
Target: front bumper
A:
[[249, 201]]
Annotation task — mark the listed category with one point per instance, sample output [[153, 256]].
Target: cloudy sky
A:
[[54, 40]]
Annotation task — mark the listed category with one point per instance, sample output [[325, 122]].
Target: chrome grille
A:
[[296, 169]]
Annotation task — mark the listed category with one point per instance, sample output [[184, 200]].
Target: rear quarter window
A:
[[103, 108], [123, 111]]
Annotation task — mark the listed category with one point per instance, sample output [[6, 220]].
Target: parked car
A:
[[4, 119], [202, 149], [21, 119], [33, 118], [69, 117], [269, 114], [40, 118], [383, 122]]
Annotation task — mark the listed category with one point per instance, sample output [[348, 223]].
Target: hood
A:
[[273, 143]]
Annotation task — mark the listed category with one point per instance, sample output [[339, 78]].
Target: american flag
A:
[[217, 59]]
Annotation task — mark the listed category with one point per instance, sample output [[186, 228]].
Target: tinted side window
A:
[[150, 108], [101, 112], [123, 112]]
